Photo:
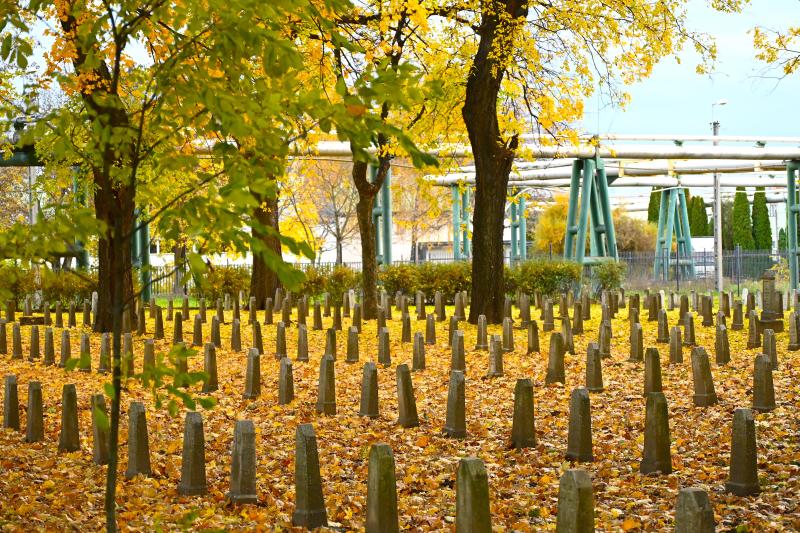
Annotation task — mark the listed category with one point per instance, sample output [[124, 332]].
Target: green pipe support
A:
[[382, 217], [456, 206], [673, 219], [145, 275]]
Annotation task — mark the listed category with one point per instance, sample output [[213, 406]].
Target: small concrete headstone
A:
[[85, 363], [605, 339], [693, 512], [566, 332], [430, 330], [49, 348], [743, 476], [721, 345], [594, 368], [406, 402], [652, 371], [637, 344], [216, 338], [34, 347], [69, 437], [258, 339], [548, 321], [326, 399], [316, 323], [34, 430], [369, 391], [3, 338], [482, 342], [456, 424], [704, 394], [533, 337], [10, 403], [243, 463], [472, 497], [309, 502], [577, 319], [285, 382], [675, 345], [656, 456], [210, 368], [16, 341], [148, 357], [663, 327], [66, 351], [159, 325], [555, 361], [770, 348], [177, 329], [418, 359], [688, 329], [523, 428], [763, 387], [382, 514], [495, 358], [579, 436], [252, 384], [330, 343], [100, 435], [457, 355], [384, 347], [197, 332], [193, 460], [575, 503], [236, 336]]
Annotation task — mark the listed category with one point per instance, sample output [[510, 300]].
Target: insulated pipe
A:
[[663, 181], [674, 138]]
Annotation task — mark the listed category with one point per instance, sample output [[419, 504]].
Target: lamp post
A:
[[717, 205]]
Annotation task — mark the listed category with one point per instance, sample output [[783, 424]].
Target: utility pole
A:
[[717, 205], [717, 219]]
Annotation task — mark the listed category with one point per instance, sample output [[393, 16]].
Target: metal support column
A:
[[382, 217], [589, 180], [673, 219], [792, 211], [466, 237], [456, 197], [145, 275], [523, 230], [514, 227]]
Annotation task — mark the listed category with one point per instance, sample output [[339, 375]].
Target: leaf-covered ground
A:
[[41, 489]]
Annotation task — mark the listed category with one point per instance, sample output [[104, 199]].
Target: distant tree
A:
[[742, 227], [727, 224], [552, 226], [653, 207], [762, 231], [633, 234], [698, 221], [782, 240]]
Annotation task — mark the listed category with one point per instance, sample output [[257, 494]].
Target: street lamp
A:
[[717, 203]]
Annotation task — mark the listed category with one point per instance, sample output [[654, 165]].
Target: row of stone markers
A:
[[575, 507]]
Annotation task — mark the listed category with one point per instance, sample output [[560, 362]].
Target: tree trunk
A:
[[338, 250], [493, 159], [263, 280], [369, 261]]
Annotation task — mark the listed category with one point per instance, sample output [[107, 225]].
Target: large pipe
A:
[[665, 181], [675, 138]]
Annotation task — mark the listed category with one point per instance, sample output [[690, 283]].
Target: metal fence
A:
[[740, 268]]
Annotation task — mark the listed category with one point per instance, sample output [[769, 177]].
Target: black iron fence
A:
[[739, 268]]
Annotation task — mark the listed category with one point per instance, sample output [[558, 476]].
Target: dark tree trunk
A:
[[493, 158], [112, 205], [338, 250], [366, 228], [263, 280]]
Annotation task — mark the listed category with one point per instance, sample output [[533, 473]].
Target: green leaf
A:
[[101, 418]]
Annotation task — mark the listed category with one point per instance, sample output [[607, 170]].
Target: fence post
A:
[[738, 268]]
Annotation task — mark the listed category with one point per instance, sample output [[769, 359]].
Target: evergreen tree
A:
[[654, 205], [697, 217], [782, 240], [727, 225], [742, 227], [762, 232]]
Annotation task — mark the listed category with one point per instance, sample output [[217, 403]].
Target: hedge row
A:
[[67, 287]]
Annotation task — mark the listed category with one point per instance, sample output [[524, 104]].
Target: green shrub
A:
[[314, 282], [221, 280], [609, 275], [340, 280], [15, 282], [404, 278], [67, 287], [548, 277], [448, 278]]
